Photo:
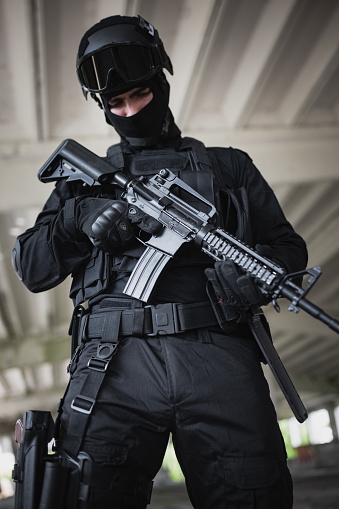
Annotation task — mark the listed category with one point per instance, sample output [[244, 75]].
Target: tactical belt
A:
[[168, 318]]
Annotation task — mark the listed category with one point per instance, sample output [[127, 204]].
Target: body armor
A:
[[197, 167]]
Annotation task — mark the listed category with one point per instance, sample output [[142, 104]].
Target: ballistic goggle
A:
[[131, 62]]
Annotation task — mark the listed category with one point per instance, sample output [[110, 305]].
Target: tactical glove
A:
[[108, 223], [104, 221], [233, 291], [145, 222]]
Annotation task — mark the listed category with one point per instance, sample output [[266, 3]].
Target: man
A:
[[131, 386]]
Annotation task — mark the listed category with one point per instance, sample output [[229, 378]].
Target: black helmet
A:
[[120, 52]]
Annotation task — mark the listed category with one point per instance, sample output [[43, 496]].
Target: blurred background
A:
[[259, 75]]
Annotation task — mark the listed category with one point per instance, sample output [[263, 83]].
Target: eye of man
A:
[[117, 101]]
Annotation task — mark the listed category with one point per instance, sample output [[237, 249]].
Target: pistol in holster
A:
[[43, 481]]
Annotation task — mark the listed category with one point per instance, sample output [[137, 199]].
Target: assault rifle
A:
[[163, 197]]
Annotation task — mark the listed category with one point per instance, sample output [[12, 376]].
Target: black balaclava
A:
[[145, 128]]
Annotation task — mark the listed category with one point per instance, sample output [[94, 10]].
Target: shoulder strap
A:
[[115, 156], [205, 176]]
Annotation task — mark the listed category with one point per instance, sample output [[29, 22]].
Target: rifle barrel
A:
[[311, 309]]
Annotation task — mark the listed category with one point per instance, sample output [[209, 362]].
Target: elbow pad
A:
[[16, 259]]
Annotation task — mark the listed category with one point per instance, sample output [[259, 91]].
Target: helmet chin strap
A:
[[97, 100]]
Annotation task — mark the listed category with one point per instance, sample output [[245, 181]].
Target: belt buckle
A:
[[105, 352], [164, 318]]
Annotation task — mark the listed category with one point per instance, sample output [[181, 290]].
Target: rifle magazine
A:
[[145, 274]]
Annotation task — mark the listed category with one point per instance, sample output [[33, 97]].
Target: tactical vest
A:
[[198, 168]]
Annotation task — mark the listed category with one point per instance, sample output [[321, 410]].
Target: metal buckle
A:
[[77, 400], [164, 319], [98, 364]]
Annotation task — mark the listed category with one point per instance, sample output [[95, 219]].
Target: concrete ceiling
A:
[[260, 75]]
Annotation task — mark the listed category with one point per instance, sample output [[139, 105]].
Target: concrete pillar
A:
[[330, 408]]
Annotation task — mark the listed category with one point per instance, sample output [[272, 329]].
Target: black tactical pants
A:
[[206, 388]]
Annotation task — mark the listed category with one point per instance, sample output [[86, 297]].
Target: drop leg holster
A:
[[71, 483], [85, 479]]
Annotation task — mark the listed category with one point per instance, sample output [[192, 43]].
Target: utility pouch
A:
[[55, 484], [228, 317]]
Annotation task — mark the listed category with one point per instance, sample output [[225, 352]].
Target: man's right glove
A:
[[108, 223], [104, 221]]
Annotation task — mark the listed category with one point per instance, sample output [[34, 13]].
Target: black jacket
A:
[[52, 249]]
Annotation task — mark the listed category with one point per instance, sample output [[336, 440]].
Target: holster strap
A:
[[118, 478], [83, 403]]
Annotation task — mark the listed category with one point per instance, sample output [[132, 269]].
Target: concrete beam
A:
[[34, 351], [14, 407], [319, 65], [250, 73], [291, 156], [18, 107], [200, 22]]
